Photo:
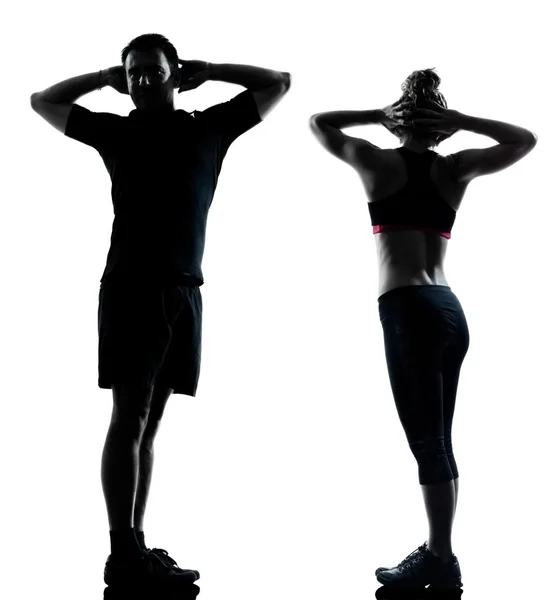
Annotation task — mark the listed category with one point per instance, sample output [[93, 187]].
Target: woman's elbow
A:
[[314, 120]]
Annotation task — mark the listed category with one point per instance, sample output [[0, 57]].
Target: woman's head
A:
[[420, 88]]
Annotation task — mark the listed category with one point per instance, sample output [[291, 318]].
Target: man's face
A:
[[149, 79]]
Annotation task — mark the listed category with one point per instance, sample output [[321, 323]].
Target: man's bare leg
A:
[[456, 487], [146, 454], [119, 465]]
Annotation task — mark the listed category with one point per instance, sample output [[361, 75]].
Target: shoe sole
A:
[[447, 584], [443, 584]]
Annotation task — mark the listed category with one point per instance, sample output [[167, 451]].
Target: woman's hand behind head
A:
[[437, 119]]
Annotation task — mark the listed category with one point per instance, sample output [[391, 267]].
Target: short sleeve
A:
[[91, 128], [233, 118]]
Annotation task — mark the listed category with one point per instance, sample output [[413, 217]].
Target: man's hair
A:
[[153, 41], [421, 88]]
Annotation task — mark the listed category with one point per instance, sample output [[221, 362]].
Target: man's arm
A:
[[68, 91], [268, 87], [54, 104]]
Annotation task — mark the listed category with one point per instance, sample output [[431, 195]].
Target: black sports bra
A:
[[417, 205]]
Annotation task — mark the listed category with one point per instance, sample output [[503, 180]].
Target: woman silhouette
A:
[[413, 196]]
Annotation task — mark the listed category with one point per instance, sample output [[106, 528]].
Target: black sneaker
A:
[[381, 569], [421, 568], [144, 569], [170, 562]]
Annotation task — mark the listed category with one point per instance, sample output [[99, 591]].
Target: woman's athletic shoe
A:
[[422, 568]]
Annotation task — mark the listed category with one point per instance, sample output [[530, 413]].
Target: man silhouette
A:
[[164, 165]]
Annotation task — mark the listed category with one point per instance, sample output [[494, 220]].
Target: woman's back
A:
[[411, 256], [414, 193]]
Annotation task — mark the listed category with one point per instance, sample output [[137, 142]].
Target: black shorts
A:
[[150, 334]]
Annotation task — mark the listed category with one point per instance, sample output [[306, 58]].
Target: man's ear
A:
[[176, 75]]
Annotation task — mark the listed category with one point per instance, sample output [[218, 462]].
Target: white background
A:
[[289, 474]]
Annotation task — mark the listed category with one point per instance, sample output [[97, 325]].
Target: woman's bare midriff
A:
[[410, 257]]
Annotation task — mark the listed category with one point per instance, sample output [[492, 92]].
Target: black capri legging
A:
[[426, 339]]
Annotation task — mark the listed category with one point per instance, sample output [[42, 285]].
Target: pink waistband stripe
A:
[[380, 228]]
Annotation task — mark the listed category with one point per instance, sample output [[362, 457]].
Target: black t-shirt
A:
[[164, 171]]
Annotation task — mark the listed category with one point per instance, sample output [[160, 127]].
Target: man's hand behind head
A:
[[116, 78]]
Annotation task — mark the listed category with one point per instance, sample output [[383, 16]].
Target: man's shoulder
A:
[[85, 115]]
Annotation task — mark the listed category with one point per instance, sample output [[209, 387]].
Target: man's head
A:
[[152, 71], [421, 88]]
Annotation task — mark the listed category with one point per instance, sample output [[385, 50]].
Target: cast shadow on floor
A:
[[191, 591]]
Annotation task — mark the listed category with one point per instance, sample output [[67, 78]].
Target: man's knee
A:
[[132, 401], [158, 403]]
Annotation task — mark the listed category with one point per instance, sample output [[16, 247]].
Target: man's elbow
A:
[[287, 79], [37, 100], [283, 83]]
